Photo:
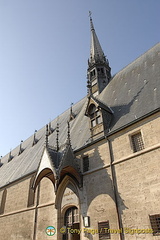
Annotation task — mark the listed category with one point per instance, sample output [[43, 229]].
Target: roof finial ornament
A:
[[20, 148], [72, 115], [50, 130], [46, 142], [57, 139], [10, 156], [34, 138], [71, 107], [68, 134], [0, 161]]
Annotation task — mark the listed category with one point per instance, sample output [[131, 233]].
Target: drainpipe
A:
[[36, 212], [114, 182]]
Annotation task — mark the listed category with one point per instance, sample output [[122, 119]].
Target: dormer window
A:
[[95, 115]]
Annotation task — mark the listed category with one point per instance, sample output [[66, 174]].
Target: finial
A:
[[90, 14], [57, 139], [0, 161], [46, 142], [34, 138], [10, 157], [71, 107], [50, 130], [72, 116], [20, 148], [68, 134]]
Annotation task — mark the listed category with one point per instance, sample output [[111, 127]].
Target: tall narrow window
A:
[[3, 201], [103, 230], [155, 224], [137, 142], [31, 193], [85, 164]]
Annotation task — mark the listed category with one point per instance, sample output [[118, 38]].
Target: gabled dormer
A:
[[100, 116], [99, 71]]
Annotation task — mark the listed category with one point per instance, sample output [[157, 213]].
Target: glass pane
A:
[[93, 123]]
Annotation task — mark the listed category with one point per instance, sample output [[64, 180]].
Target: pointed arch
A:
[[73, 173], [46, 172], [65, 182]]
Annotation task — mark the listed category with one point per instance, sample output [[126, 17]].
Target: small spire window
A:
[[93, 73]]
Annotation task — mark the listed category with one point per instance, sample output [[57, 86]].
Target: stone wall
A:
[[136, 186]]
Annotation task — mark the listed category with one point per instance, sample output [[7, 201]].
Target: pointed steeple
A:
[[96, 52], [99, 71]]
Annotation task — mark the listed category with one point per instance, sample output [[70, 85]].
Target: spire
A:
[[96, 52], [99, 71]]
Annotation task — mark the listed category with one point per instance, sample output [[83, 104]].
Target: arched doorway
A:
[[71, 221]]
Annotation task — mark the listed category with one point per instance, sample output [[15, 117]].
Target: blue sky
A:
[[44, 47]]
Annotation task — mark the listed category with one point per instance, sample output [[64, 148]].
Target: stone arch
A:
[[64, 183], [68, 196], [46, 172]]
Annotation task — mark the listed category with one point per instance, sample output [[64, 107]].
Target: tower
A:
[[99, 71]]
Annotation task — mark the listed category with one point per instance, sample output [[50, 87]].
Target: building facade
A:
[[93, 172]]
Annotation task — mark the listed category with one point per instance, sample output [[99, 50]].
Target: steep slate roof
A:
[[131, 94], [135, 90], [28, 161]]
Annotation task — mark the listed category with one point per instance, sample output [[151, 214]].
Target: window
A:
[[100, 70], [137, 142], [155, 224], [71, 216], [85, 164], [3, 201], [31, 193], [94, 115], [71, 220], [103, 228], [93, 73]]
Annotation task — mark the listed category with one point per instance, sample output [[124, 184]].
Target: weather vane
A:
[[90, 13]]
